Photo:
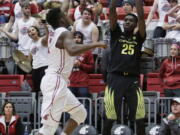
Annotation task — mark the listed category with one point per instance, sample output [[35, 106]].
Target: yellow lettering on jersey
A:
[[128, 42]]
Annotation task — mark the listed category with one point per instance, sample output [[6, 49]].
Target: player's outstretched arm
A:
[[141, 21], [113, 15], [66, 41]]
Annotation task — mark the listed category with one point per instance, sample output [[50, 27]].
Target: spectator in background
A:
[[170, 73], [6, 9], [38, 53], [17, 12], [83, 65], [162, 7], [88, 28], [175, 12], [128, 6], [10, 123], [21, 27], [20, 31], [79, 9], [171, 26], [171, 124], [119, 3], [75, 3]]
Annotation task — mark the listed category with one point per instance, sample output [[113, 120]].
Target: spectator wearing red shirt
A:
[[170, 73], [6, 9], [10, 122], [83, 65]]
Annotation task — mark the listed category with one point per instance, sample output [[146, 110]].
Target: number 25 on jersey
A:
[[127, 49]]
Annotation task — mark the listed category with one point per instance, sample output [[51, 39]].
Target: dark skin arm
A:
[[45, 38], [66, 41], [113, 15], [141, 21], [64, 8]]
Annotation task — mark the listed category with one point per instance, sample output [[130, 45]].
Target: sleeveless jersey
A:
[[59, 61]]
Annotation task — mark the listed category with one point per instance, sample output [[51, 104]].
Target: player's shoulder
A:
[[61, 30]]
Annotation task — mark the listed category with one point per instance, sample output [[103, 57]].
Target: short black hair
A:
[[53, 16], [134, 16]]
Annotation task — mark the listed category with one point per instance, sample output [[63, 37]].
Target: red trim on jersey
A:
[[73, 108]]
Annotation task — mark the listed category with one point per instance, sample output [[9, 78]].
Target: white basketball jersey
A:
[[59, 61]]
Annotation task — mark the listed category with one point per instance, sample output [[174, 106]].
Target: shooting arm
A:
[[141, 21], [113, 15]]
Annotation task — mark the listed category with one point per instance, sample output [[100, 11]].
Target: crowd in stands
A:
[[24, 23]]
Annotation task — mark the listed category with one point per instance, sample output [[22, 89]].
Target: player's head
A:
[[56, 18], [130, 22], [78, 37]]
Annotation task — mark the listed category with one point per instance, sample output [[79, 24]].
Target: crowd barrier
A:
[[155, 108], [87, 102]]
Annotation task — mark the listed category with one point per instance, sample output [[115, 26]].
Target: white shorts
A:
[[57, 98]]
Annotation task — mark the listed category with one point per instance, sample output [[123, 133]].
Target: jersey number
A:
[[127, 49]]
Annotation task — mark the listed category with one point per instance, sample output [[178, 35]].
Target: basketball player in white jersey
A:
[[57, 98]]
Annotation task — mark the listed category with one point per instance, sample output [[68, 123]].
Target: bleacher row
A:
[[120, 13], [29, 109], [105, 3], [95, 84]]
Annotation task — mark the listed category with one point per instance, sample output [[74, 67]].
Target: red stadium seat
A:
[[120, 13], [28, 78], [96, 83], [147, 10], [11, 82], [153, 83]]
